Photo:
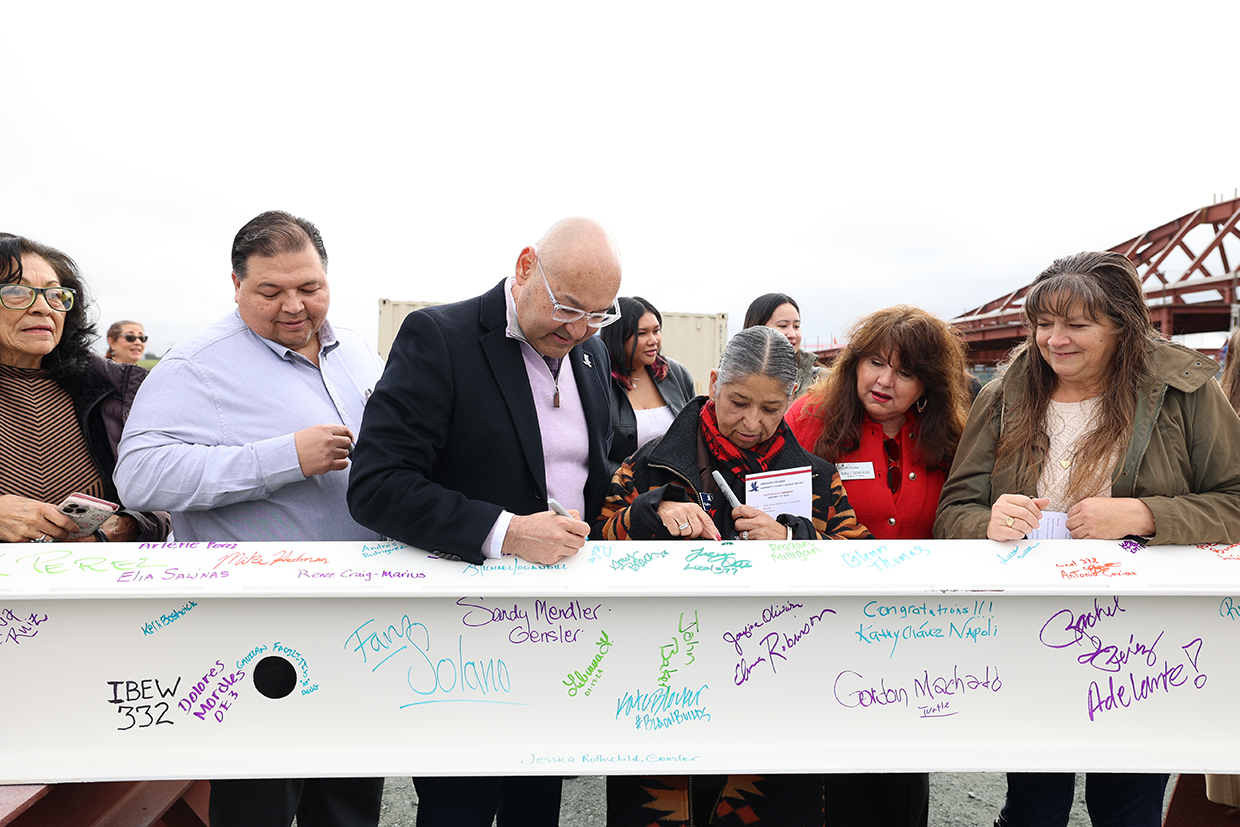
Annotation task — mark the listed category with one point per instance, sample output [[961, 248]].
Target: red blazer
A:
[[907, 515]]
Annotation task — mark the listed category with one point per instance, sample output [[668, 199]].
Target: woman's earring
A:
[[921, 404]]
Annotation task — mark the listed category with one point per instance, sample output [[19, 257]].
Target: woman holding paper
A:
[[668, 489], [1098, 418], [64, 406]]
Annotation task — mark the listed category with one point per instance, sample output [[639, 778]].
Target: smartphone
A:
[[88, 512]]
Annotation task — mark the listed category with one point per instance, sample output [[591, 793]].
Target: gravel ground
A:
[[956, 800]]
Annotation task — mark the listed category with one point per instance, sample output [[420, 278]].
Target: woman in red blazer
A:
[[888, 414]]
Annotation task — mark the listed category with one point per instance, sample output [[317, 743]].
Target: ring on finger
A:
[[744, 535], [1010, 521], [682, 527]]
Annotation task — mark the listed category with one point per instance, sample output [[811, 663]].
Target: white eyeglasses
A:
[[566, 314]]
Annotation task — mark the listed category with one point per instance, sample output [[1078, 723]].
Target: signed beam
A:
[[332, 659]]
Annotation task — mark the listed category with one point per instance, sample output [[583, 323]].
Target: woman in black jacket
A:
[[647, 388], [669, 490]]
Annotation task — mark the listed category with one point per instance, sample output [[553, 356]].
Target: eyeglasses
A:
[[892, 449], [567, 315], [134, 337], [21, 296]]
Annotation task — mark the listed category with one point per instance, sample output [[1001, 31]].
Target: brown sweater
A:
[[43, 453]]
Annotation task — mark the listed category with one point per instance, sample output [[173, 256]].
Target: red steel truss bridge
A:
[[1188, 269]]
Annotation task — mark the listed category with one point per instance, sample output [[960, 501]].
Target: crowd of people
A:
[[604, 436]]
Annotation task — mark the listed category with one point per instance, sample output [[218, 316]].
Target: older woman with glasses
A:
[[64, 407], [126, 342], [889, 414]]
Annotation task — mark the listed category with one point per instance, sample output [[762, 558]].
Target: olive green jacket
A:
[[1183, 461]]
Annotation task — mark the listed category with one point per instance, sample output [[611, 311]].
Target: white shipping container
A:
[[696, 340]]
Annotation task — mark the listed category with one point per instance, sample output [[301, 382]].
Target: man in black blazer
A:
[[472, 428]]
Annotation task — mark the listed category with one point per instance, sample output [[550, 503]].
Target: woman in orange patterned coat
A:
[[666, 491]]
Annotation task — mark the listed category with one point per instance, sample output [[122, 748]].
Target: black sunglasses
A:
[[133, 337], [892, 448]]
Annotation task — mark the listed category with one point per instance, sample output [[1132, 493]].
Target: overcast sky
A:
[[854, 155]]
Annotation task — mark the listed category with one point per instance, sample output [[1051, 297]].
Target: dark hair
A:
[[274, 233], [763, 307], [921, 344], [1101, 286], [71, 355], [1231, 371], [632, 308]]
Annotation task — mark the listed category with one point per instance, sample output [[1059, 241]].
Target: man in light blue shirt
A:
[[244, 431]]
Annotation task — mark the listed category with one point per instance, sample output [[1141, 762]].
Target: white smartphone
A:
[[88, 512]]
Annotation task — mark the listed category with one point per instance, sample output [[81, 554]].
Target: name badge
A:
[[855, 470]]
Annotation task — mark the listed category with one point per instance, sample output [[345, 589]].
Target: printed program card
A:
[[781, 492], [1054, 526]]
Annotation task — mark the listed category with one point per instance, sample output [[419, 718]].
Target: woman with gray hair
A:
[[667, 490]]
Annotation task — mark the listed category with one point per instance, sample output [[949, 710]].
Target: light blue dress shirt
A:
[[210, 435]]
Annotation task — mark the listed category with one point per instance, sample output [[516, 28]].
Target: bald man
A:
[[488, 408]]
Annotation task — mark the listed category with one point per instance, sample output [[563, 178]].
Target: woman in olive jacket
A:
[[1097, 417], [1182, 462]]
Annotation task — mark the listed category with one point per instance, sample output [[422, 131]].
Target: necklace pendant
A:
[[1065, 464]]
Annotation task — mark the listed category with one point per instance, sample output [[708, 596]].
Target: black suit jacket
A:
[[450, 436]]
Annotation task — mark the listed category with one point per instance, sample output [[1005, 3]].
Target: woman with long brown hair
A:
[[1098, 417], [888, 414]]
